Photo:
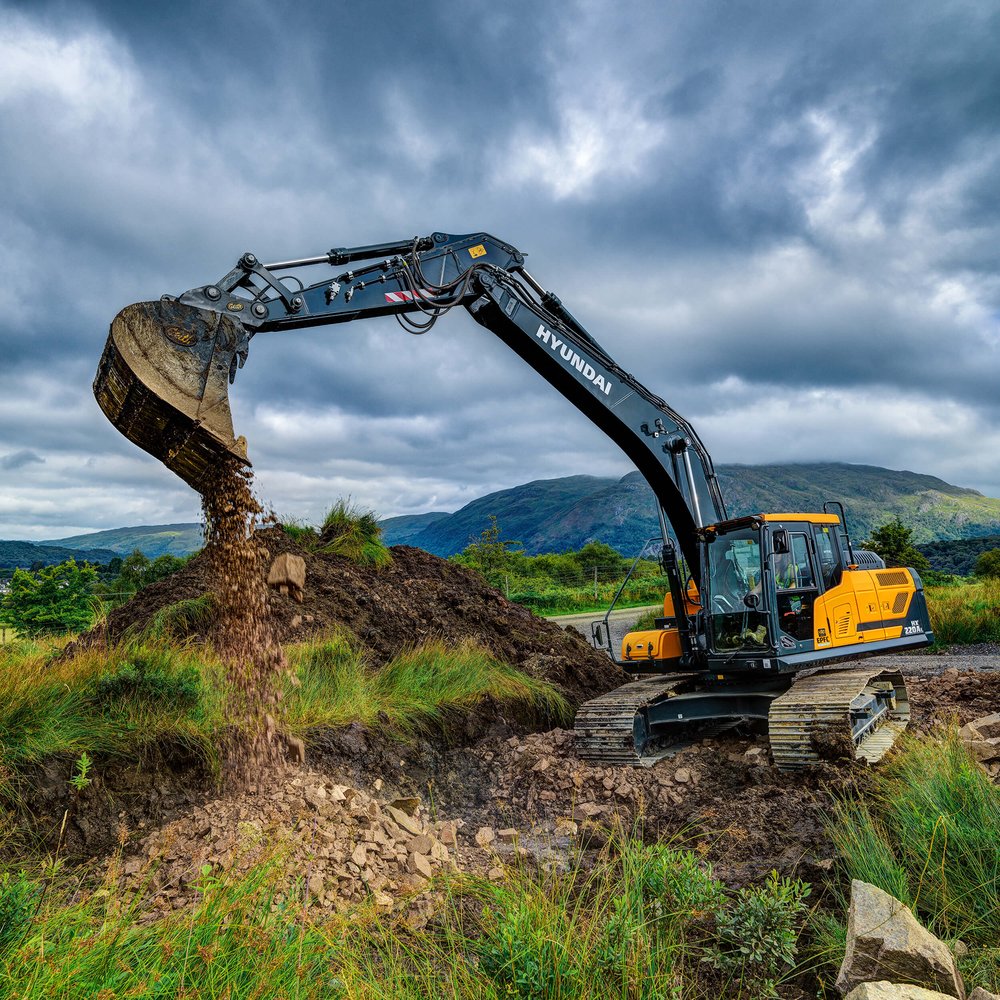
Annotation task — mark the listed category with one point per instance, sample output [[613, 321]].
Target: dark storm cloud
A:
[[776, 215]]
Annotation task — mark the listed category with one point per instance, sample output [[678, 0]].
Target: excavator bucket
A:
[[163, 381]]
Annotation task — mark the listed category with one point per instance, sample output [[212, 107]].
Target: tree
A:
[[988, 564], [892, 542], [491, 555], [54, 600]]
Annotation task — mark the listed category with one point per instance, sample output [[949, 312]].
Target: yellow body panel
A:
[[657, 644], [855, 609]]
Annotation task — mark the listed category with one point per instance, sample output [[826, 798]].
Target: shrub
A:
[[758, 931], [988, 564], [149, 677]]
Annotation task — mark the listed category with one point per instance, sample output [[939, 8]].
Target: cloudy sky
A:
[[783, 217]]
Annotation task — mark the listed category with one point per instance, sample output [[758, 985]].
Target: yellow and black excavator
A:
[[755, 604]]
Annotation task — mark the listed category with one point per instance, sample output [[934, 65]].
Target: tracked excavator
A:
[[766, 615]]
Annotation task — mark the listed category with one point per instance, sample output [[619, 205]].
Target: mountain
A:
[[151, 539], [554, 515], [23, 555], [401, 530]]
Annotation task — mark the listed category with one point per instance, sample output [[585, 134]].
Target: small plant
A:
[[81, 773], [757, 933], [304, 535], [523, 953], [18, 899]]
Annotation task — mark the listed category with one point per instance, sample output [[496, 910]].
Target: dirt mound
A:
[[416, 597]]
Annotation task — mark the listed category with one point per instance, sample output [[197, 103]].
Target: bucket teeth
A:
[[163, 381]]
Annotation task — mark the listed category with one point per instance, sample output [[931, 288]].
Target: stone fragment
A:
[[589, 809], [566, 828], [980, 994], [884, 990], [542, 765], [408, 804], [495, 874], [885, 942], [296, 621], [682, 775], [439, 852], [508, 836], [448, 833], [360, 855], [418, 864], [404, 821], [287, 575], [485, 836], [987, 725], [421, 844]]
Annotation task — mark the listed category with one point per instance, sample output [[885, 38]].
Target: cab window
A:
[[793, 569], [827, 557]]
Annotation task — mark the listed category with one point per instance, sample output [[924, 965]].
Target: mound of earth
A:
[[415, 598]]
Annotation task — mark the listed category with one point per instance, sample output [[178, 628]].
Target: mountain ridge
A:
[[561, 514]]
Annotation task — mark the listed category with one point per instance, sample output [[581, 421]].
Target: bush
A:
[[152, 678], [927, 833], [988, 564], [757, 933], [53, 601]]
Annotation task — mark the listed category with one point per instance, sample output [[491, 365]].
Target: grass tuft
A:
[[353, 532]]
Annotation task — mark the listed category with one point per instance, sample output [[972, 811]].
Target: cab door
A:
[[796, 585]]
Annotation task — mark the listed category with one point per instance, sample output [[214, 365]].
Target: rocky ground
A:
[[370, 817]]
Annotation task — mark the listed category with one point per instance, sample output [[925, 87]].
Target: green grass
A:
[[353, 532], [927, 832], [645, 921], [421, 687], [965, 613], [118, 704]]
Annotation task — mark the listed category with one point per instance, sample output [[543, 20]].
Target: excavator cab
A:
[[163, 381]]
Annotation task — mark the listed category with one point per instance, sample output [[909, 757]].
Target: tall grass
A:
[[966, 613], [928, 833], [122, 702], [419, 688], [645, 921]]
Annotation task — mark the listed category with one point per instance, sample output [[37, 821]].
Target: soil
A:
[[415, 598]]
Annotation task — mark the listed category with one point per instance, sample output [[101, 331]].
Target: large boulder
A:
[[885, 942], [883, 990]]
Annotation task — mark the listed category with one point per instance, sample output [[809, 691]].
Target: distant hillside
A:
[[151, 539], [554, 515], [402, 529], [23, 555]]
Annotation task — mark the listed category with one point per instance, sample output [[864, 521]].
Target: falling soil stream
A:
[[243, 636]]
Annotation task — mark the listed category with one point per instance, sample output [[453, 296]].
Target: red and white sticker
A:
[[423, 293]]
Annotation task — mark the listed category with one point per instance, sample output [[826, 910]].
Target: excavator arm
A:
[[163, 379]]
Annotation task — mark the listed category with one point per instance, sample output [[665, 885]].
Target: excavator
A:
[[766, 616]]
